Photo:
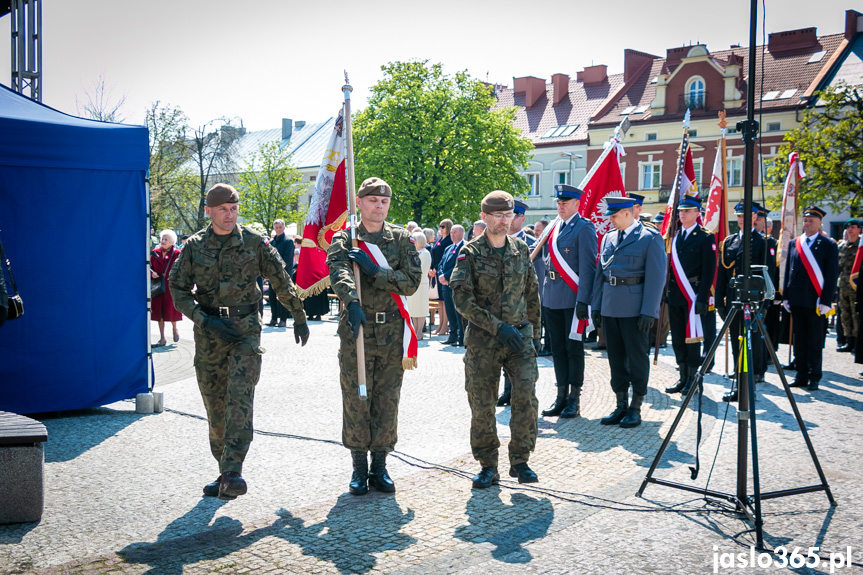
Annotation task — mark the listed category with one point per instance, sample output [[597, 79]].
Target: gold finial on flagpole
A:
[[347, 85]]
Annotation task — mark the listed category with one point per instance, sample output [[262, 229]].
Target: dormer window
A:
[[695, 94]]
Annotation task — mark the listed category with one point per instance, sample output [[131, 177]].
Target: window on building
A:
[[561, 177], [697, 163], [650, 136], [695, 94], [693, 133], [774, 126], [735, 172], [622, 166], [651, 175], [533, 182]]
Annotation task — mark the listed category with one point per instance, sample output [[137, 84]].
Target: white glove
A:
[[824, 309], [787, 306]]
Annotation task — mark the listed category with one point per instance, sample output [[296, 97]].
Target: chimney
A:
[[634, 63], [792, 40], [531, 87], [560, 83], [673, 55], [853, 23], [593, 74], [299, 124], [287, 128]]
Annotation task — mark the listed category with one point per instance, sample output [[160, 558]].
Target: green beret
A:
[[374, 187], [853, 222], [222, 194], [497, 201]]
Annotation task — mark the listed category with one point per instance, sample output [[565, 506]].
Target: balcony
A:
[[692, 101]]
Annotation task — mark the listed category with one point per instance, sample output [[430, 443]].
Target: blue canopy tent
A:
[[73, 221]]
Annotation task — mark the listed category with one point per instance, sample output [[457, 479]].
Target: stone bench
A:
[[22, 460]]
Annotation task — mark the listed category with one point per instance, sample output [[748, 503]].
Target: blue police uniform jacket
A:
[[577, 243]]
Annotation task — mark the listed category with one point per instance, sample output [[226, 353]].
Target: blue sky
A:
[[286, 58]]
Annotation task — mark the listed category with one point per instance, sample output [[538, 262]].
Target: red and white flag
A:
[[606, 181], [688, 187], [789, 212], [715, 216], [327, 215]]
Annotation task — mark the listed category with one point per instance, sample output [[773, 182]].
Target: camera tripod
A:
[[744, 503]]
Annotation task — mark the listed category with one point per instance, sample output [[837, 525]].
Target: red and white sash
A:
[[409, 340], [694, 329], [812, 268], [579, 328]]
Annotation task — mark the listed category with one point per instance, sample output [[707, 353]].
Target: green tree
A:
[[210, 152], [172, 192], [830, 143], [271, 187], [435, 139]]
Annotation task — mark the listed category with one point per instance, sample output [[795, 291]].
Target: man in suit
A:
[[539, 267], [626, 295], [693, 254], [730, 266], [285, 247], [570, 268], [811, 271], [444, 271]]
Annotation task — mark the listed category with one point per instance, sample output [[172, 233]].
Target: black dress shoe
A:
[[450, 341], [282, 323], [556, 408], [677, 387], [813, 386], [790, 367], [231, 486], [544, 352], [798, 383], [212, 489], [486, 478], [572, 409], [730, 396], [503, 400], [523, 472], [273, 323]]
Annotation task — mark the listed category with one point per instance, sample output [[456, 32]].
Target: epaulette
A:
[[706, 230], [649, 225]]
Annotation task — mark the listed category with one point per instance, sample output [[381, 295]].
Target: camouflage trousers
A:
[[482, 375], [371, 424], [848, 311], [227, 375]]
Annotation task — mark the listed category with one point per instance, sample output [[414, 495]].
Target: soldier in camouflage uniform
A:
[[224, 261], [372, 424], [496, 290], [847, 293]]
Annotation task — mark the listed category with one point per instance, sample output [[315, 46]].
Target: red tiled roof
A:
[[575, 109], [782, 71]]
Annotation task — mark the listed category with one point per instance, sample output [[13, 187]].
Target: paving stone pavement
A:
[[123, 490]]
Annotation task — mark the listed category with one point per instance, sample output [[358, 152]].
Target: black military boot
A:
[[231, 485], [572, 408], [633, 414], [691, 372], [487, 477], [557, 407], [618, 414], [524, 473], [850, 345], [678, 387], [212, 489], [731, 396], [360, 478], [505, 397], [378, 476]]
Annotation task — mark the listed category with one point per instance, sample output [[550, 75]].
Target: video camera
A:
[[760, 288]]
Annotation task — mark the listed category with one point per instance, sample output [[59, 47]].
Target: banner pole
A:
[[723, 124], [352, 211]]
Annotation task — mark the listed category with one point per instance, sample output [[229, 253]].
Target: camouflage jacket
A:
[[401, 254], [490, 289], [227, 276], [847, 253]]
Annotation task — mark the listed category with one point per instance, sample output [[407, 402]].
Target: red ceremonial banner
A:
[[328, 214], [606, 181]]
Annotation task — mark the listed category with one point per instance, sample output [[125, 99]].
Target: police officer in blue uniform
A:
[[575, 244], [800, 295], [630, 279]]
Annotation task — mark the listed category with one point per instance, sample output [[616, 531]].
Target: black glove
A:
[[356, 317], [301, 332], [219, 328], [363, 260], [645, 322], [722, 311], [510, 337], [597, 319], [700, 308], [581, 311]]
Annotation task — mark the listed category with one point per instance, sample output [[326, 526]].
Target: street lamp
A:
[[570, 155]]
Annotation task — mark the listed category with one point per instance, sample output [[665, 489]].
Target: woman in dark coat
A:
[[437, 251], [161, 260]]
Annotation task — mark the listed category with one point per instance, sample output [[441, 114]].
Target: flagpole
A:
[[619, 133], [671, 228], [352, 211], [787, 235], [723, 214]]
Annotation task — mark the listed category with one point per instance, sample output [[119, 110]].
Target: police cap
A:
[[814, 211], [566, 192], [639, 199], [519, 208]]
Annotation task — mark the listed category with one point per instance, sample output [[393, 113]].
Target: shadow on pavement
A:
[[507, 527], [355, 529], [71, 433]]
